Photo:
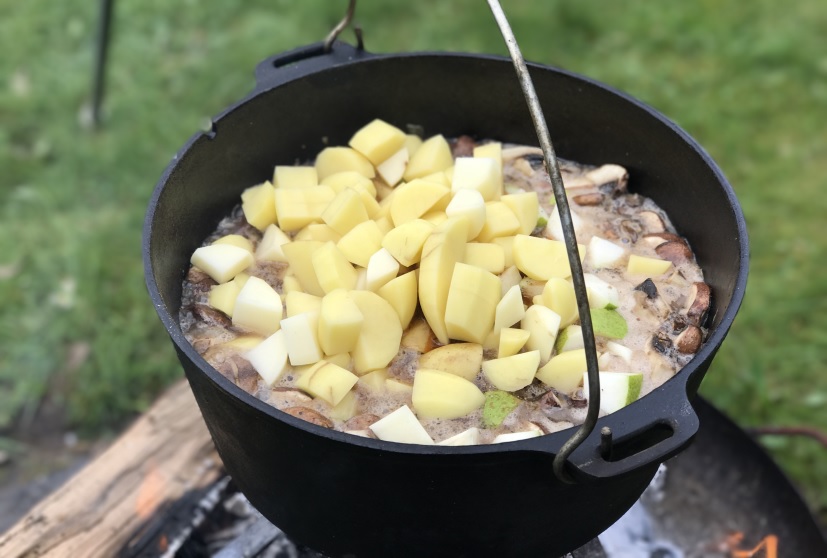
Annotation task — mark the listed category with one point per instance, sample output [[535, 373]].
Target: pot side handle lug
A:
[[650, 444], [302, 61]]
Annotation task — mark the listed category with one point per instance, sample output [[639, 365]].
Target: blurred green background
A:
[[78, 336]]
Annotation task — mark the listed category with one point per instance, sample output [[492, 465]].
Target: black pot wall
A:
[[350, 496]]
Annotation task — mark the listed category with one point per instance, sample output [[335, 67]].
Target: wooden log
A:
[[164, 454]]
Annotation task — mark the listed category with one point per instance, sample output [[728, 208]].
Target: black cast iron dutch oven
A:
[[349, 496]]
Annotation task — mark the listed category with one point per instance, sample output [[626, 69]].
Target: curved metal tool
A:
[[336, 31], [553, 169]]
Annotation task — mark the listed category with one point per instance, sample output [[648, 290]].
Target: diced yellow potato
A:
[[468, 203], [318, 231], [327, 381], [492, 341], [269, 249], [509, 277], [507, 244], [435, 217], [462, 359], [513, 372], [477, 174], [433, 155], [295, 177], [542, 258], [489, 257], [383, 191], [377, 141], [345, 211], [449, 173], [381, 332], [301, 333], [398, 387], [258, 307], [418, 336], [511, 341], [405, 242], [290, 284], [370, 203], [374, 381], [299, 255], [469, 437], [542, 325], [361, 242], [339, 159], [442, 250], [332, 269], [269, 358], [385, 224], [639, 265], [222, 297], [472, 301], [499, 221], [564, 371], [340, 359], [438, 394], [439, 178], [414, 199], [558, 295], [401, 426], [382, 267], [259, 205], [236, 240], [412, 143], [493, 151], [347, 408], [340, 323], [401, 294], [297, 302], [298, 207], [222, 262], [244, 342], [510, 309], [350, 179], [526, 206], [393, 168]]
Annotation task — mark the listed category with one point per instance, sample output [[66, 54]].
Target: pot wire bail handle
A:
[[553, 169], [331, 37]]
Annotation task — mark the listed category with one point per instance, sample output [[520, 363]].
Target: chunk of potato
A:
[[462, 359], [438, 394]]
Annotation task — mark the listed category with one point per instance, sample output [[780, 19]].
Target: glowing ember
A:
[[766, 548]]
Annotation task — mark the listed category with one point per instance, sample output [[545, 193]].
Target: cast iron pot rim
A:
[[549, 443]]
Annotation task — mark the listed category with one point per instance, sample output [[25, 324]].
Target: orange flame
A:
[[768, 544]]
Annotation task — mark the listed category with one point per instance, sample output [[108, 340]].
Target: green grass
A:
[[749, 83]]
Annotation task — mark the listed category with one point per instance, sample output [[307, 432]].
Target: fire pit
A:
[[722, 498]]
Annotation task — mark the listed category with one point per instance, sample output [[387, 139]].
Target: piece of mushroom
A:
[[592, 199], [360, 422], [520, 151], [651, 221], [309, 415], [689, 340], [577, 182], [531, 288], [290, 396], [614, 175], [676, 251], [698, 303], [653, 240], [648, 288], [464, 146], [661, 343]]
